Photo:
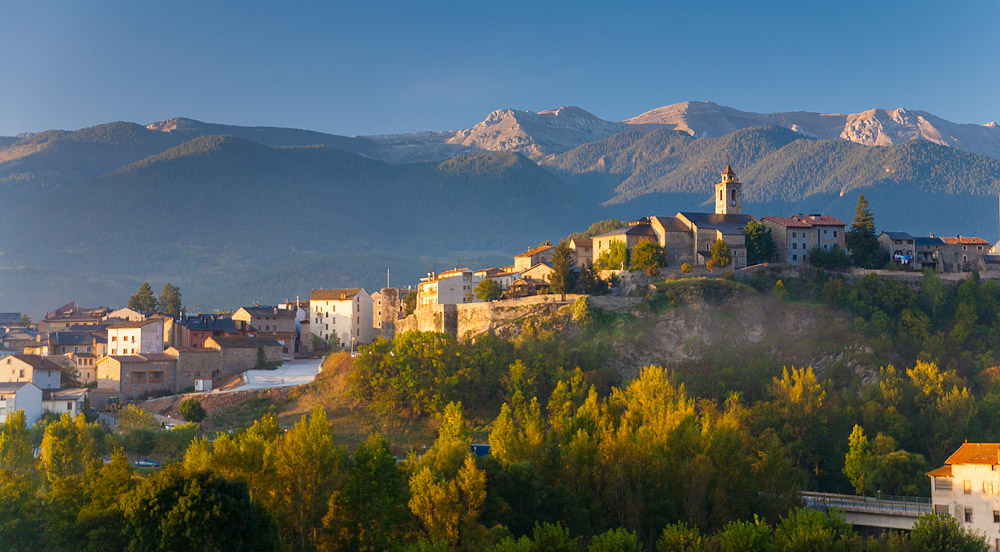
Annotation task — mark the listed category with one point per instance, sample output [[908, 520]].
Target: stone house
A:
[[637, 232], [531, 257], [541, 271], [970, 249], [933, 253], [967, 487], [239, 354], [388, 306], [137, 337], [84, 366], [582, 250], [526, 286], [796, 235], [900, 247], [272, 322], [64, 401], [196, 363], [20, 395], [451, 287], [40, 371], [345, 314], [133, 375], [65, 342]]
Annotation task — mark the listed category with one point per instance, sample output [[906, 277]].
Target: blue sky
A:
[[380, 67]]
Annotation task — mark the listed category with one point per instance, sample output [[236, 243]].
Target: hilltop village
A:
[[102, 355]]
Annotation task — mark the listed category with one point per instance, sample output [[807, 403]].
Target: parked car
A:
[[147, 463]]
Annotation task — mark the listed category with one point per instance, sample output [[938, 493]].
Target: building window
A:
[[835, 233], [967, 487], [968, 515], [794, 235], [69, 407], [795, 245], [795, 257], [941, 509], [996, 516]]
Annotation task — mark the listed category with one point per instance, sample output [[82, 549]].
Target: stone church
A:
[[688, 237]]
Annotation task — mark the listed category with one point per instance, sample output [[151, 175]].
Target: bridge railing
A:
[[883, 504]]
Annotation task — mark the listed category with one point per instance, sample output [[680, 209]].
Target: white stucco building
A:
[[136, 337], [62, 401], [448, 288], [968, 488], [343, 313], [20, 395]]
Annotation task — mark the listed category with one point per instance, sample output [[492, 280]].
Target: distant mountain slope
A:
[[776, 164], [7, 140], [874, 127], [58, 157]]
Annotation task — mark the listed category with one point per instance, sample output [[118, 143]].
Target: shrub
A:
[[192, 410], [686, 268]]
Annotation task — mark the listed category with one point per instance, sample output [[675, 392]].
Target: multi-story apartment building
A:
[[344, 314], [448, 288], [136, 338]]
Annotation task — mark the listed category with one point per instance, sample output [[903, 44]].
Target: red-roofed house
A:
[[970, 250], [968, 488], [794, 236]]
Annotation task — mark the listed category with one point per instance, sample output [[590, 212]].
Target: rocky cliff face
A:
[[875, 127], [536, 134]]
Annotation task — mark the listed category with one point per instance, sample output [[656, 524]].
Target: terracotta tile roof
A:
[[975, 453], [534, 251], [789, 222], [37, 362], [343, 294], [943, 471], [965, 240], [821, 220], [134, 324]]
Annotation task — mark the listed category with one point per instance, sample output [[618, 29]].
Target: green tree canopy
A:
[[760, 243], [488, 290], [647, 255], [143, 300], [170, 300], [562, 278], [861, 239], [616, 257], [192, 410], [721, 256]]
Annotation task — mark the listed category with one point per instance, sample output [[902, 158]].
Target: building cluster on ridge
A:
[[124, 354]]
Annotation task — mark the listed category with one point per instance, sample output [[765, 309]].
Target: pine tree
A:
[[561, 280], [143, 300], [170, 300], [861, 239]]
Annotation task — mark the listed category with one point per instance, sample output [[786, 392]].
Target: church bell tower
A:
[[729, 194]]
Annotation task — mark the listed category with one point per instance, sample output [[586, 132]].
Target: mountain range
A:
[[235, 214]]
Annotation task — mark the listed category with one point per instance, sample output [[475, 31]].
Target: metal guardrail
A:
[[909, 506]]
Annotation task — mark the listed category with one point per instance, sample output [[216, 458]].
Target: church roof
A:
[[728, 171]]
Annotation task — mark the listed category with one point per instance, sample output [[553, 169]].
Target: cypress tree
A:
[[861, 239]]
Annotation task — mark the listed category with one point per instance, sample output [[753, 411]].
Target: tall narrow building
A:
[[729, 194]]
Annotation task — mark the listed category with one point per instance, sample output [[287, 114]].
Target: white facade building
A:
[[448, 288], [21, 395], [342, 313], [42, 372], [138, 337], [968, 488], [62, 401]]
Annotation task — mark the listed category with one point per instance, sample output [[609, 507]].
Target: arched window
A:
[[720, 194], [734, 195]]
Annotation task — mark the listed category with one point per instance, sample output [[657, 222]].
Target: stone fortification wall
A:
[[499, 317]]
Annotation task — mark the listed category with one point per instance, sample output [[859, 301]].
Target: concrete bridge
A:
[[884, 511]]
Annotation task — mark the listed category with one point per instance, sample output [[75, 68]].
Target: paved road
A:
[[297, 372]]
